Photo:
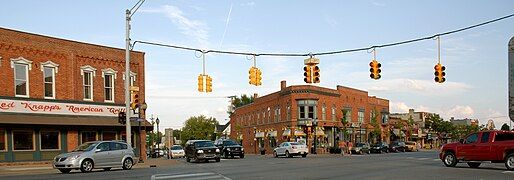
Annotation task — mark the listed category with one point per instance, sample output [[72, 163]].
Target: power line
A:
[[328, 52]]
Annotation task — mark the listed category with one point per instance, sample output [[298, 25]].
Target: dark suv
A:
[[379, 147], [397, 146], [230, 148], [201, 150]]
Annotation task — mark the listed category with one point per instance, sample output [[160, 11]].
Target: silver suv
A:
[[96, 155]]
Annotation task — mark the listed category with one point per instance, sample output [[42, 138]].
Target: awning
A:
[[272, 134], [320, 132], [287, 132], [299, 133], [259, 134]]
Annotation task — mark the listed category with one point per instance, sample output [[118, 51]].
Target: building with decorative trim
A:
[[304, 112], [56, 94]]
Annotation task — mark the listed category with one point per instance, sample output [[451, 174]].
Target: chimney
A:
[[255, 96], [283, 85]]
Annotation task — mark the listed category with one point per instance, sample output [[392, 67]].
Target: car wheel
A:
[[65, 171], [449, 159], [275, 154], [225, 155], [509, 161], [188, 159], [86, 166], [288, 155], [473, 164], [304, 155], [242, 156], [127, 164], [217, 159], [107, 169]]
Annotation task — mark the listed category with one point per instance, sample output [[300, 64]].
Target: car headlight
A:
[[228, 149], [242, 149], [218, 150], [74, 157], [199, 151]]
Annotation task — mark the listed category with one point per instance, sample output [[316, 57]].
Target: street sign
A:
[[137, 119], [511, 79]]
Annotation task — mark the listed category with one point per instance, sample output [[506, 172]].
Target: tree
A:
[[198, 127], [345, 122], [241, 101], [375, 133], [505, 127]]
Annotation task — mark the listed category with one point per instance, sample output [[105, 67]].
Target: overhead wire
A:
[[328, 52]]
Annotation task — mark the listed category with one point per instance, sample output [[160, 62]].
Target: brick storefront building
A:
[[56, 94], [290, 115]]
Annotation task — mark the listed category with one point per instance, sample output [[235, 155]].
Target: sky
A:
[[476, 60]]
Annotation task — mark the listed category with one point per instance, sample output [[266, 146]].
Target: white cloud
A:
[[195, 29], [378, 4], [251, 3], [460, 112], [423, 87]]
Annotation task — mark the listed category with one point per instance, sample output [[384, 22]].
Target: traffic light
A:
[[315, 73], [375, 70], [439, 73], [252, 75], [200, 83], [122, 118], [307, 74], [208, 83], [258, 77], [134, 100]]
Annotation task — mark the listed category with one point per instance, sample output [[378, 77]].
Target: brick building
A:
[[56, 94], [291, 114]]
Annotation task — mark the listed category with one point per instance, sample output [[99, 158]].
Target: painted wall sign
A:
[[21, 106], [511, 79]]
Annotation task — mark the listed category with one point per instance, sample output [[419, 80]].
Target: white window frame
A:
[[133, 78], [28, 66], [44, 82], [333, 116], [112, 73], [92, 70], [360, 115], [323, 112]]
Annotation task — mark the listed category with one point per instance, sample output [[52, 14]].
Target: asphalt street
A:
[[410, 165]]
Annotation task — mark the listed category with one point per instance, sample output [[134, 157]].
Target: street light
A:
[[152, 137], [158, 135]]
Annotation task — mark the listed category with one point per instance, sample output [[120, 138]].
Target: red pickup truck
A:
[[494, 146]]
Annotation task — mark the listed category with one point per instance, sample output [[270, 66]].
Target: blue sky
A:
[[476, 60]]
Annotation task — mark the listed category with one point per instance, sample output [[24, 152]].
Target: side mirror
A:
[[461, 141]]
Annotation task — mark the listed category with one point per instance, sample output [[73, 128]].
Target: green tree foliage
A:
[[198, 127], [241, 101], [375, 133], [345, 122], [505, 127]]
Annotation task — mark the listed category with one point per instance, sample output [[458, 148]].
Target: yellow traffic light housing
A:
[[258, 77], [439, 73], [134, 99], [375, 70], [208, 83], [200, 83], [307, 74], [315, 74], [252, 75]]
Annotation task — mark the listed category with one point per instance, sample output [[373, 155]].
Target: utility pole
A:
[[511, 80]]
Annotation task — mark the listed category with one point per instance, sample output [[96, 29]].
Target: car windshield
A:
[[176, 148], [85, 147], [377, 145], [204, 144], [229, 143]]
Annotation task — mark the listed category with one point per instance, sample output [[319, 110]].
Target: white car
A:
[[290, 149], [177, 151]]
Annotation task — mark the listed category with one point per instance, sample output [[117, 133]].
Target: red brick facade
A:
[[71, 58], [279, 112]]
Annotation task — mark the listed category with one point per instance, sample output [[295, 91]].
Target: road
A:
[[410, 165]]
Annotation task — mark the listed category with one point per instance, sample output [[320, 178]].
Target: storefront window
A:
[[88, 136], [49, 140], [124, 137], [109, 135], [3, 141], [23, 139]]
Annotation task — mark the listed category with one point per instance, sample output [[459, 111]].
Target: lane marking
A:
[[189, 176], [508, 172]]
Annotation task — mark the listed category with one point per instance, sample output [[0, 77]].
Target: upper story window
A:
[[288, 113], [21, 68], [333, 112], [88, 73], [348, 114], [324, 112], [49, 69], [109, 76], [307, 109], [360, 116], [133, 78]]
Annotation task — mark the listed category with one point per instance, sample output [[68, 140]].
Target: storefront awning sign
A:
[[259, 134], [299, 133], [287, 132], [58, 108], [272, 134]]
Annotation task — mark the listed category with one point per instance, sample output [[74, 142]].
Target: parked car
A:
[[96, 155], [176, 151], [290, 149], [411, 146], [158, 153], [397, 146], [360, 148], [230, 148], [201, 150], [379, 147], [492, 146]]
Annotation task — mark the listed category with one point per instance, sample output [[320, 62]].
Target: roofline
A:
[[62, 39]]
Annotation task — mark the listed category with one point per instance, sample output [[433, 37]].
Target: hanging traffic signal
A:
[[208, 83], [122, 118], [258, 77], [307, 74], [200, 83], [252, 75], [439, 73], [134, 100], [315, 74], [375, 70]]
